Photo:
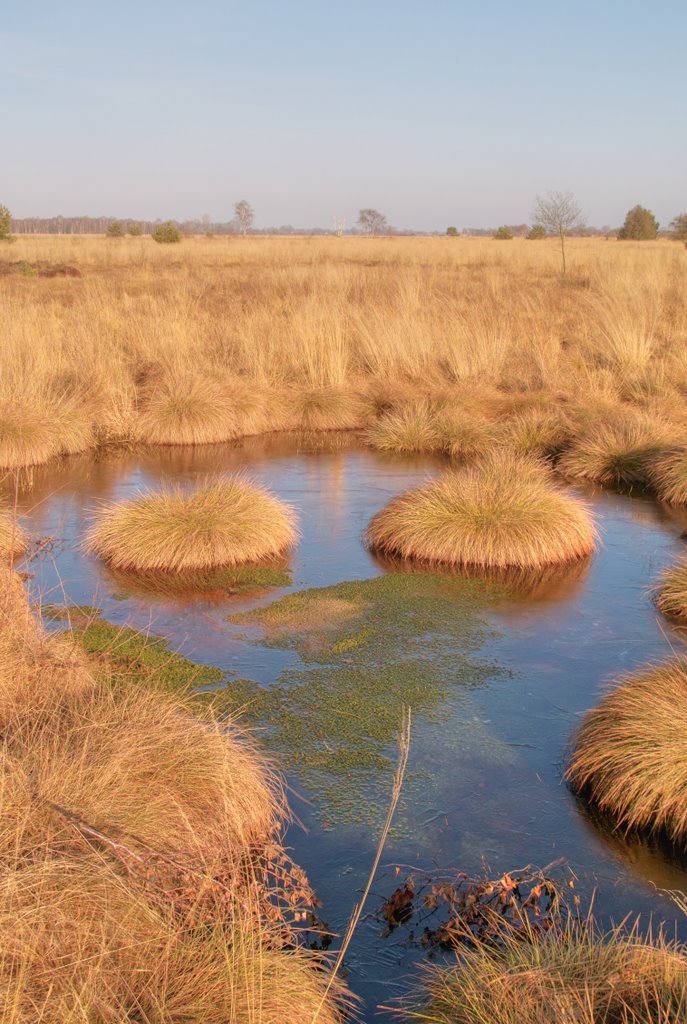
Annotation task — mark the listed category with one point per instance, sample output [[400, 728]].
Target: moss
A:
[[135, 658], [81, 613], [405, 639]]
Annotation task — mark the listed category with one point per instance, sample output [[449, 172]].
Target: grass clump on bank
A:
[[617, 454], [410, 428], [187, 410], [141, 873], [27, 435], [570, 974], [629, 755], [222, 523], [13, 540], [502, 513], [670, 594]]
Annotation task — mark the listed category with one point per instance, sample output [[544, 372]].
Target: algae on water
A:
[[367, 648]]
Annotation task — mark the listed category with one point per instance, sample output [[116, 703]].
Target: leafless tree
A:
[[558, 213], [372, 222], [244, 214]]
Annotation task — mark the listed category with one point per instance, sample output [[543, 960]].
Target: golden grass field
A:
[[214, 338]]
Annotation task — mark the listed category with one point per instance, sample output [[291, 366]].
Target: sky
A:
[[433, 112]]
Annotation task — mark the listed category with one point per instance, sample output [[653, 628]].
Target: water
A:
[[490, 768]]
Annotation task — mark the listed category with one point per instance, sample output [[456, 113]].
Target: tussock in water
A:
[[222, 523], [501, 513], [670, 593], [630, 753]]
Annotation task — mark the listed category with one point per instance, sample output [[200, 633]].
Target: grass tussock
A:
[[136, 845], [670, 593], [617, 453], [504, 512], [571, 974], [629, 753], [222, 523]]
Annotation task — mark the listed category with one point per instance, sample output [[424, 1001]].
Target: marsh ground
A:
[[486, 766]]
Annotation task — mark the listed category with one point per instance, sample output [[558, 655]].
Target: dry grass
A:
[[670, 593], [572, 975], [221, 523], [226, 337], [135, 852], [502, 513], [629, 753]]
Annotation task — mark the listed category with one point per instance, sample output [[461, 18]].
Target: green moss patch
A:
[[133, 658], [75, 613], [401, 640]]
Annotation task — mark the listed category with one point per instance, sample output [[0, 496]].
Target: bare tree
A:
[[558, 213], [244, 214], [372, 222]]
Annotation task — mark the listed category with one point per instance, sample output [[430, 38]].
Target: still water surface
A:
[[491, 766]]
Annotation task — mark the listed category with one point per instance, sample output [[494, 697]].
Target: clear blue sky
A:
[[434, 112]]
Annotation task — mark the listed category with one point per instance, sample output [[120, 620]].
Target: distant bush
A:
[[135, 230], [640, 225], [503, 233], [5, 225], [536, 231], [115, 229], [167, 233], [452, 231], [678, 228]]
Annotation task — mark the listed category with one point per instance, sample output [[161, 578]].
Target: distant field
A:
[[332, 332]]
